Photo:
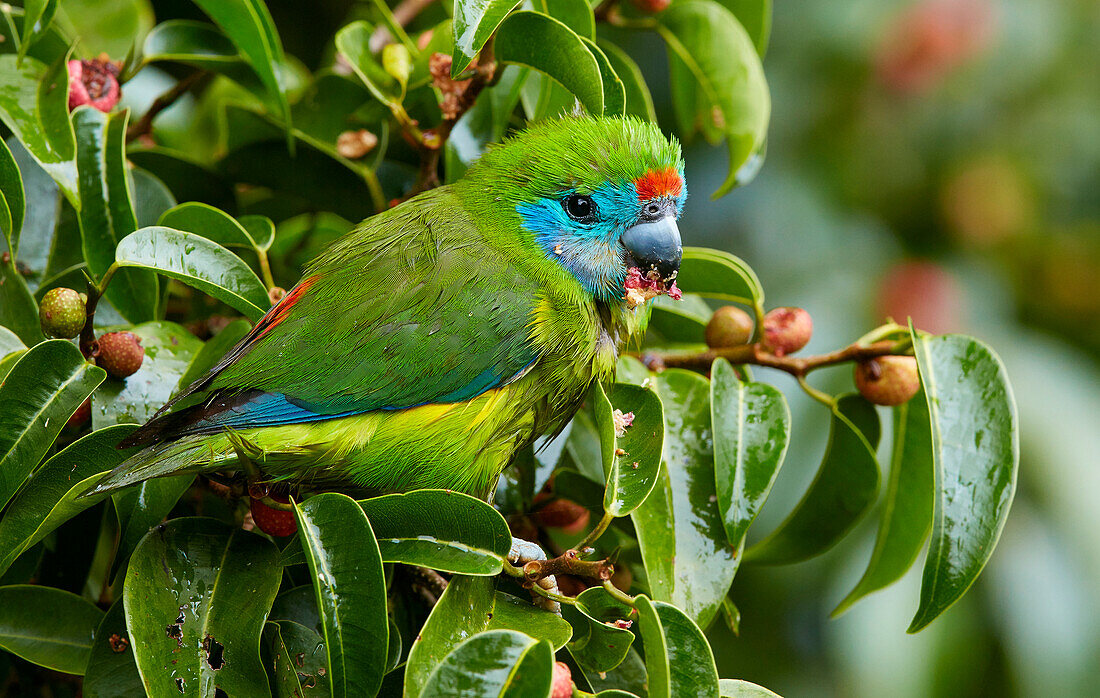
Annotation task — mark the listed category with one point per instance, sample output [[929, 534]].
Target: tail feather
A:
[[191, 454]]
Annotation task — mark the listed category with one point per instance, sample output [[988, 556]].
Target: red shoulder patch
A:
[[666, 182], [281, 310]]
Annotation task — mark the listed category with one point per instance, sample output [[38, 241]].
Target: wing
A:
[[415, 306]]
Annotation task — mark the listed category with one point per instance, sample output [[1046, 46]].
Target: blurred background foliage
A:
[[937, 159]]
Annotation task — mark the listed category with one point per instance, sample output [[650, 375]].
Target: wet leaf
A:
[[112, 672], [197, 262], [631, 460], [169, 349], [736, 688], [196, 595], [208, 222], [34, 104], [299, 660], [557, 51], [716, 274], [841, 493], [470, 606], [40, 393], [503, 663], [683, 543], [52, 494], [752, 428], [141, 507], [48, 627], [106, 212], [907, 510], [679, 660], [599, 643], [976, 451], [443, 530], [351, 591], [474, 22]]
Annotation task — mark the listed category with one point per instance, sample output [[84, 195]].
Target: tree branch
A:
[[144, 125], [757, 355]]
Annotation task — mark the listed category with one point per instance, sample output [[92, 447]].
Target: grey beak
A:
[[654, 245]]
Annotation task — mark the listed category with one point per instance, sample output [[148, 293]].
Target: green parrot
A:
[[430, 344]]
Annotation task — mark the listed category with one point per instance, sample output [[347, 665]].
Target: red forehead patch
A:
[[656, 183]]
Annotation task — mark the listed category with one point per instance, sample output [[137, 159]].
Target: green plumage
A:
[[447, 332]]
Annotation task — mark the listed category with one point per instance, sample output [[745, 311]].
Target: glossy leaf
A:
[[752, 428], [470, 606], [9, 341], [299, 660], [557, 52], [503, 663], [683, 543], [721, 57], [737, 688], [443, 530], [46, 626], [34, 104], [841, 493], [351, 591], [106, 212], [151, 197], [631, 474], [197, 262], [169, 349], [143, 506], [614, 92], [756, 17], [39, 394], [12, 199], [112, 672], [679, 660], [37, 15], [681, 322], [599, 643], [249, 26], [976, 451], [639, 103], [52, 494], [474, 22], [18, 310], [261, 229], [196, 595], [353, 42], [718, 274], [907, 510], [113, 27], [187, 41], [208, 222]]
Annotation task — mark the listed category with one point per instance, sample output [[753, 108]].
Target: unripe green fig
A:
[[62, 313]]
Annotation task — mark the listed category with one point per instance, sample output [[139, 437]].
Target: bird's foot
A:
[[522, 554]]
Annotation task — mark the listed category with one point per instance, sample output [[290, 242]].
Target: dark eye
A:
[[579, 207]]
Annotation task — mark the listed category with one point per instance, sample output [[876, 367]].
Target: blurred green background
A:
[[938, 159]]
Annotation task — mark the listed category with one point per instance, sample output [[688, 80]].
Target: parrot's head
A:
[[598, 196]]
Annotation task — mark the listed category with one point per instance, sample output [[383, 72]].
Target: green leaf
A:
[[470, 606], [42, 391], [187, 179], [299, 660], [351, 591], [443, 530], [249, 26], [682, 322], [678, 657], [756, 17], [598, 643], [474, 22], [113, 27], [12, 199], [639, 103], [34, 104], [208, 222], [52, 494], [48, 627], [841, 493], [169, 349], [718, 274], [683, 543], [261, 229], [197, 262], [976, 451], [907, 510], [752, 428], [614, 92], [37, 15], [18, 311], [503, 663], [151, 197], [736, 688], [632, 474], [187, 41], [9, 361], [353, 42], [112, 672], [9, 342], [196, 595], [575, 14], [557, 51], [106, 212], [720, 56], [141, 507]]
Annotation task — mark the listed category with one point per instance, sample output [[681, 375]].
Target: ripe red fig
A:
[[120, 353], [651, 7], [93, 82], [567, 515], [561, 685], [786, 330], [274, 522]]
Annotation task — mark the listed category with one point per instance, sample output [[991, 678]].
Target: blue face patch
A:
[[589, 249]]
